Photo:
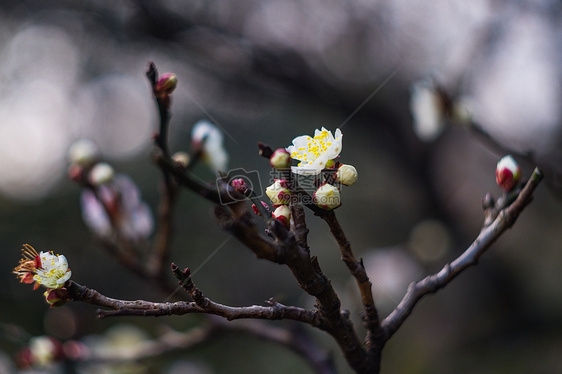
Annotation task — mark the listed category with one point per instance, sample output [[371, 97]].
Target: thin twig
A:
[[147, 308], [488, 235], [159, 257], [357, 269]]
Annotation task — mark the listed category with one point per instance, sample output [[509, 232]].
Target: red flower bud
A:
[[283, 214], [508, 173], [239, 185], [57, 297], [166, 84]]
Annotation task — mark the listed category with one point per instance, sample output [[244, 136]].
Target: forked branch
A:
[[488, 235]]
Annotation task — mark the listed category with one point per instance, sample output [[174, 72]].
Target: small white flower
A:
[[427, 111], [315, 152], [209, 139], [54, 271]]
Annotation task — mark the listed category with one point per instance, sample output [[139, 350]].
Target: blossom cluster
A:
[[317, 173], [110, 201]]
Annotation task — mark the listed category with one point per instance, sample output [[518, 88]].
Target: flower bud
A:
[[57, 297], [327, 197], [75, 173], [166, 84], [346, 175], [278, 192], [280, 159], [181, 158], [257, 211], [239, 184], [24, 358], [83, 152], [283, 214], [508, 173], [330, 164], [101, 174]]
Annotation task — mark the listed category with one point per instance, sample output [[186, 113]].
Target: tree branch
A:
[[357, 269], [159, 257], [154, 309], [488, 235]]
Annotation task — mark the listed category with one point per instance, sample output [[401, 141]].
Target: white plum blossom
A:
[[315, 152], [209, 140], [54, 271], [426, 106], [120, 200]]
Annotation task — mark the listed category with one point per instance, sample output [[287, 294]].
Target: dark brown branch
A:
[[185, 178], [310, 278], [294, 253], [357, 269], [154, 309], [298, 225], [488, 235], [240, 223], [163, 104], [159, 258]]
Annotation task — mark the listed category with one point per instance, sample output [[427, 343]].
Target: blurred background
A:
[[271, 70]]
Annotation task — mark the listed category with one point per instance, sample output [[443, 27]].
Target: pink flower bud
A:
[[280, 159], [24, 358], [75, 173], [327, 197], [74, 349], [166, 84], [57, 297], [257, 211], [278, 192], [508, 173], [283, 214], [239, 185]]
